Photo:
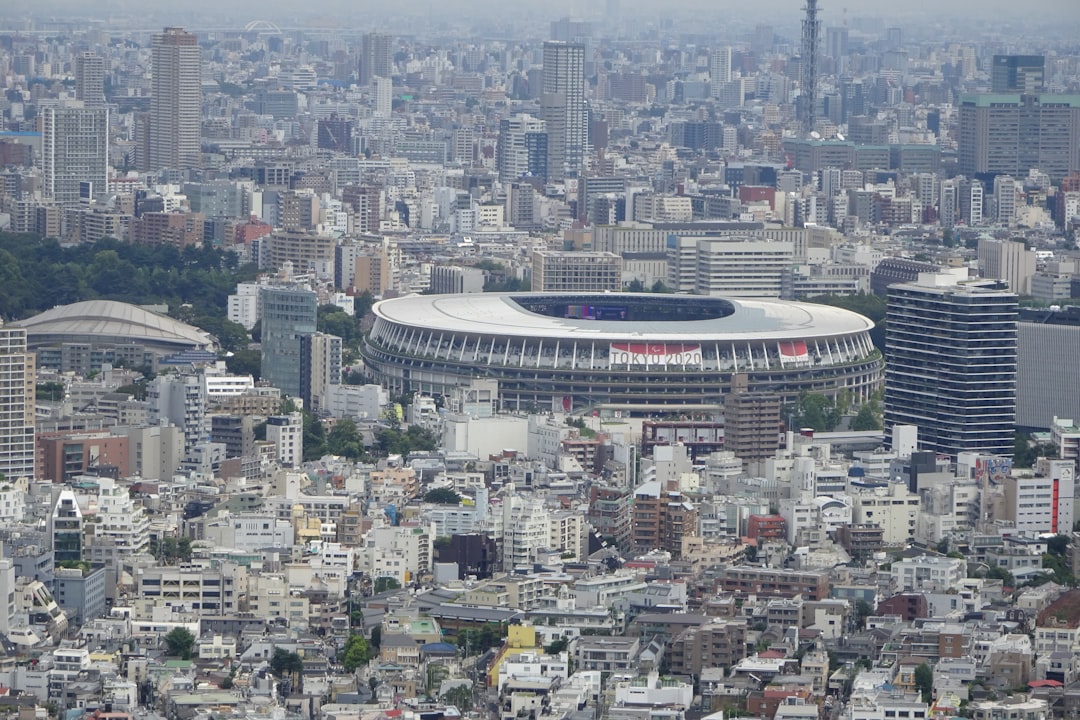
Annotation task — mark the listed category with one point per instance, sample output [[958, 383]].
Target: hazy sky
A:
[[1063, 14]]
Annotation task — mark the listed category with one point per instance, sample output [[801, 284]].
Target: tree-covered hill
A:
[[37, 274]]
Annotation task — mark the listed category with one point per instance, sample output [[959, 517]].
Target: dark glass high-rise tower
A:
[[951, 361]]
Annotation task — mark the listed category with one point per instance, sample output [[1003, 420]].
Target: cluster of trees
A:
[[1026, 450], [395, 441], [479, 640], [824, 414], [344, 439], [179, 643], [636, 286], [37, 274], [357, 652], [171, 550], [442, 496]]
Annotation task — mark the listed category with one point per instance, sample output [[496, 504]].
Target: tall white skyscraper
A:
[[74, 149], [384, 96], [563, 108], [17, 382], [90, 78], [176, 101], [720, 67]]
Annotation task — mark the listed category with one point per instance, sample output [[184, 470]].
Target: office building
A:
[[1046, 384], [452, 279], [576, 272], [287, 434], [1041, 501], [17, 388], [1008, 260], [1008, 134], [1018, 74], [80, 593], [523, 148], [951, 362], [376, 57], [562, 104], [175, 101], [1004, 199], [287, 315], [90, 79], [729, 266], [75, 153], [320, 369], [65, 528]]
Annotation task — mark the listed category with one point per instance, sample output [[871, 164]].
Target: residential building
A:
[[562, 103], [660, 519], [951, 363], [75, 153], [719, 643], [928, 573], [90, 79], [175, 101], [17, 393], [287, 434], [320, 369]]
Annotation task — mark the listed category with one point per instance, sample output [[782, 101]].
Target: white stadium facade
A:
[[634, 352]]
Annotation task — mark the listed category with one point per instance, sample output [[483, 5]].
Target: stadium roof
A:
[[108, 321], [499, 314]]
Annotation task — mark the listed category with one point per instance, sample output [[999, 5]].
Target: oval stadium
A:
[[640, 353]]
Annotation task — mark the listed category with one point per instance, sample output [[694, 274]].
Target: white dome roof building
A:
[[81, 336]]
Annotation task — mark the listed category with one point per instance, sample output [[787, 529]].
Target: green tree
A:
[[1026, 450], [314, 437], [179, 642], [924, 682], [999, 573], [344, 440], [394, 441], [245, 362], [232, 337], [385, 584], [865, 419], [333, 320], [357, 652], [818, 412], [285, 663], [557, 646], [460, 696], [51, 391], [442, 496]]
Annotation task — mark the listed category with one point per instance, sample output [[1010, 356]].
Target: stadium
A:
[[638, 353], [81, 336]]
